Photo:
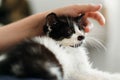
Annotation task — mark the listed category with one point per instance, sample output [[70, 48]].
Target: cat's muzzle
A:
[[76, 45]]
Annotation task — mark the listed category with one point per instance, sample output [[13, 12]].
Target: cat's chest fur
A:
[[74, 61]]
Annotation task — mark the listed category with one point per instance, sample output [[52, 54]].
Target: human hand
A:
[[90, 10]]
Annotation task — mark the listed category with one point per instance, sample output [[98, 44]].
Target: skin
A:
[[32, 26]]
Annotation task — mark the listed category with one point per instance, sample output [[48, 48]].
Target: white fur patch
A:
[[16, 68], [75, 62], [56, 71], [49, 29], [70, 58]]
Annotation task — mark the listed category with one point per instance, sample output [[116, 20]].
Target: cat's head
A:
[[67, 31]]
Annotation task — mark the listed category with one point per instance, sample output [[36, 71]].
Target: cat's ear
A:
[[80, 18], [51, 19], [81, 21], [84, 23]]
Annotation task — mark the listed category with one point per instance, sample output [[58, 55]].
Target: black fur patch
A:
[[32, 59], [60, 28]]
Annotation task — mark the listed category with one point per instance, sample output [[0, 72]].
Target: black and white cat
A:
[[58, 55]]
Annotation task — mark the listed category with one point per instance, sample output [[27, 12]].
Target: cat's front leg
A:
[[94, 75], [98, 77], [90, 77]]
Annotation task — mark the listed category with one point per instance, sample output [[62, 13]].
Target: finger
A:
[[88, 26], [76, 10], [97, 16], [88, 8], [86, 29]]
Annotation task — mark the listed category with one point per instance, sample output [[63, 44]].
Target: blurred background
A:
[[106, 60]]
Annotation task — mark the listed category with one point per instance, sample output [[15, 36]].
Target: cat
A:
[[32, 58], [58, 55]]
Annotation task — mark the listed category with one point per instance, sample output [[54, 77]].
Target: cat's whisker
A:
[[74, 44], [87, 43], [99, 44]]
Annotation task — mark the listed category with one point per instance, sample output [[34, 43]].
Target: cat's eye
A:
[[81, 27], [60, 38], [68, 33]]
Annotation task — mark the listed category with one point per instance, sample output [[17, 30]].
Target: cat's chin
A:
[[73, 46], [76, 45]]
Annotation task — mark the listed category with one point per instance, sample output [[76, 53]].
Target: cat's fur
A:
[[59, 55]]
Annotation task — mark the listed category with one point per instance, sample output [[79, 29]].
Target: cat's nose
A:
[[81, 37]]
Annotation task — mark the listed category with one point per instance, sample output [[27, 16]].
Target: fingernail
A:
[[97, 6], [87, 29]]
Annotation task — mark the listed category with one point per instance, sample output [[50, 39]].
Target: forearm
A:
[[20, 30]]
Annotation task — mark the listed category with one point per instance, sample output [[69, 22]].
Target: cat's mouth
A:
[[76, 45]]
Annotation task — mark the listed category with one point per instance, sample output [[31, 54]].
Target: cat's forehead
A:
[[66, 19]]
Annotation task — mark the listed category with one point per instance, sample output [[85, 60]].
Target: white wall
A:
[[113, 58], [42, 5], [109, 61]]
